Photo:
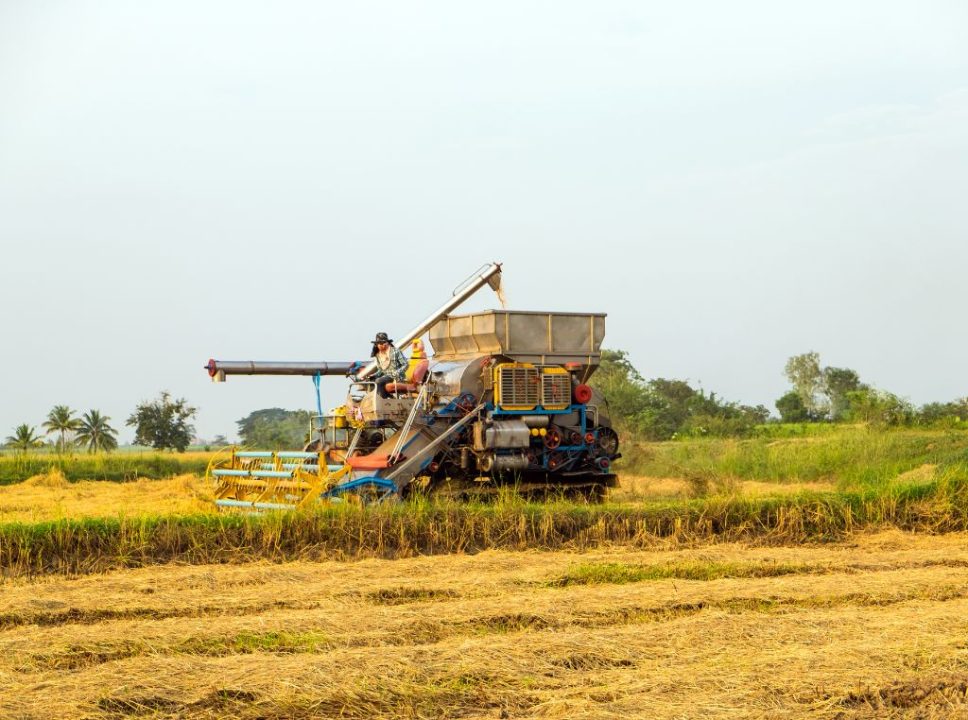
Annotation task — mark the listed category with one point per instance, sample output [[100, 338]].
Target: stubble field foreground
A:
[[807, 577], [873, 626]]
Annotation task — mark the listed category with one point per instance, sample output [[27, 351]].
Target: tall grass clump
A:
[[405, 529]]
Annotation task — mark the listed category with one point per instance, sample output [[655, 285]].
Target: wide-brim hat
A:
[[382, 337]]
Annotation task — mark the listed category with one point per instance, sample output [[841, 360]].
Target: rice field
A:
[[868, 628], [121, 466], [52, 497], [710, 586]]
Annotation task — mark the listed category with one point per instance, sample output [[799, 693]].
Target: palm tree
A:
[[61, 420], [24, 437], [95, 432]]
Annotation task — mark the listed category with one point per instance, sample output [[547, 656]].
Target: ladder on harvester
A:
[[272, 480], [406, 471], [384, 473]]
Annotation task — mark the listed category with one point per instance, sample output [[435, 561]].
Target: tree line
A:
[[832, 394], [663, 409], [163, 424], [655, 409]]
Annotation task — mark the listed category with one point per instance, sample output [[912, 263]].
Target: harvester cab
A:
[[504, 399]]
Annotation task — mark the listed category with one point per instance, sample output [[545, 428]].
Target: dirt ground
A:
[[875, 627]]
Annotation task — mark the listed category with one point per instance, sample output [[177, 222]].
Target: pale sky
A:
[[733, 183]]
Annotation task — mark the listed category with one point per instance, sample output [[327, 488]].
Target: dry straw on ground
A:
[[51, 497], [641, 607], [872, 628]]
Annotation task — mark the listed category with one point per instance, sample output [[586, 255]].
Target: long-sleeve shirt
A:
[[392, 363]]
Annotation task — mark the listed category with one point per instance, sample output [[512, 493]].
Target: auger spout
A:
[[218, 369]]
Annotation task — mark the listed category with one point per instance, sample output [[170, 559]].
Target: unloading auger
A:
[[503, 400]]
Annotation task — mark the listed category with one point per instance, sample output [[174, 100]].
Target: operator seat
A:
[[416, 379]]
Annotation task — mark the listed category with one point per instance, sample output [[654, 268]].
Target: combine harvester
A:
[[504, 400]]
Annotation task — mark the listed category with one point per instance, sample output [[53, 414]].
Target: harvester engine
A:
[[503, 400]]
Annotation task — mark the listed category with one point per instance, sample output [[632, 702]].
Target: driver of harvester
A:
[[390, 363]]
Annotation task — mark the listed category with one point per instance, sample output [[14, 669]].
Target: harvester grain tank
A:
[[504, 399]]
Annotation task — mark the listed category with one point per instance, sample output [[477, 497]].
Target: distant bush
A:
[[163, 423], [792, 409], [275, 429], [878, 408], [952, 415], [660, 409]]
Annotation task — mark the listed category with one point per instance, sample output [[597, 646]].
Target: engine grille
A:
[[518, 387], [555, 390]]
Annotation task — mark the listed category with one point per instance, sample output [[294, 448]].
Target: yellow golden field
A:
[[51, 496], [875, 627]]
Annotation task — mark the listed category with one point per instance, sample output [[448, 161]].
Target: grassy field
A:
[[822, 575], [845, 457]]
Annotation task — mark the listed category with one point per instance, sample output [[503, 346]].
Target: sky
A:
[[733, 183]]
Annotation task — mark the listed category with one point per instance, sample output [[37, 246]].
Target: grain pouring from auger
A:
[[503, 399]]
